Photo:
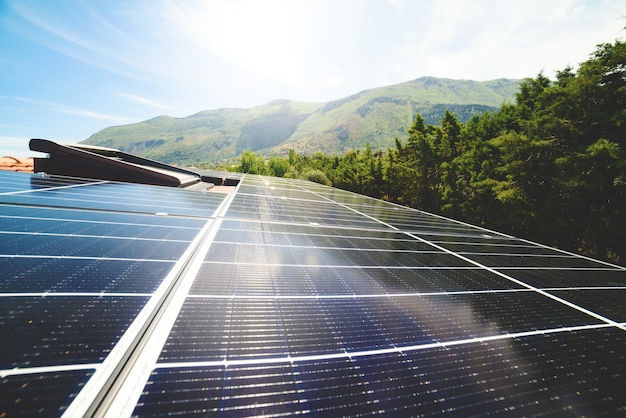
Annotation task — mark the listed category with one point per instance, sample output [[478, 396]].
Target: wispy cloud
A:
[[72, 110], [458, 39], [45, 29], [90, 114], [47, 23], [144, 101]]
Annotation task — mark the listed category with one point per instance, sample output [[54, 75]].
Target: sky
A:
[[69, 68]]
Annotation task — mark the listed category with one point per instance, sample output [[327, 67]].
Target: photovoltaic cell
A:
[[201, 331], [46, 331], [45, 394], [509, 248], [317, 238], [477, 238], [79, 260], [608, 303], [245, 253], [96, 229], [18, 182], [217, 278], [121, 197], [272, 327], [295, 298], [198, 392], [519, 260], [532, 376], [255, 207], [24, 213], [77, 246], [55, 274], [551, 278]]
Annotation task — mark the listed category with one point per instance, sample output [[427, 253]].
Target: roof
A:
[[16, 164], [285, 297]]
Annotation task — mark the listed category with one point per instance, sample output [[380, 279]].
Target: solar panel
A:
[[288, 297]]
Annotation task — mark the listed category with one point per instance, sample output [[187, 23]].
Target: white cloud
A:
[[490, 39]]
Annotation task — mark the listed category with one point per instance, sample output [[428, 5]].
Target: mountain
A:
[[374, 116]]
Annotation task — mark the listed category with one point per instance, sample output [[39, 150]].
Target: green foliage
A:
[[278, 166], [314, 175], [252, 163]]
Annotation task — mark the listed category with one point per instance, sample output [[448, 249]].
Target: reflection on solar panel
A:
[[287, 297]]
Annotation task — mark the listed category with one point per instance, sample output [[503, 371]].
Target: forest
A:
[[549, 167]]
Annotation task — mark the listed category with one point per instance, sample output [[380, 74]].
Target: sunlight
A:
[[261, 37]]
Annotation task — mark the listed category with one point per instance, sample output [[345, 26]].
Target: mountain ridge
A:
[[375, 116]]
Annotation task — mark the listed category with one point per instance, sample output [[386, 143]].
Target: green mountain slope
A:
[[374, 116]]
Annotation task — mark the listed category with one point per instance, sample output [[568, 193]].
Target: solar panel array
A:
[[286, 297]]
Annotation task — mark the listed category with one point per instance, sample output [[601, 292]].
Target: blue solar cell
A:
[[321, 239], [18, 182], [232, 224], [98, 229], [182, 392], [255, 330], [519, 260], [309, 330], [551, 374], [44, 331], [34, 213], [550, 278], [332, 388], [397, 386], [251, 253], [259, 390], [40, 394], [267, 327], [27, 216], [354, 327], [200, 332], [463, 316], [50, 274], [509, 248], [608, 303], [119, 197], [76, 246], [255, 207]]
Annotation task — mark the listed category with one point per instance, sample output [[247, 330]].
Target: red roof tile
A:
[[16, 164]]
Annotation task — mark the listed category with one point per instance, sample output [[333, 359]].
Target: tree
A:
[[278, 166], [314, 175], [252, 163]]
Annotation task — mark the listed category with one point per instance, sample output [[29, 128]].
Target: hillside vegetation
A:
[[373, 116], [549, 167]]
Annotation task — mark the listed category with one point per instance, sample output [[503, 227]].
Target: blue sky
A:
[[70, 68]]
